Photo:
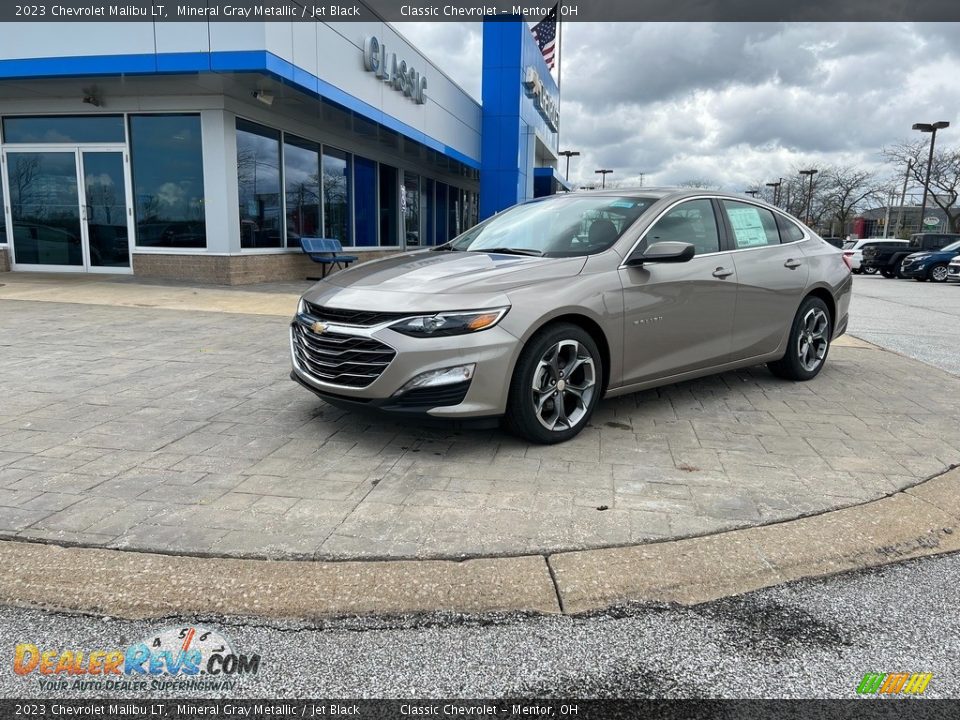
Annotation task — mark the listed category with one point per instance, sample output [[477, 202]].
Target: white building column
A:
[[220, 190]]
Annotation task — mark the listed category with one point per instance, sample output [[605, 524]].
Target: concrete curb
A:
[[920, 521]]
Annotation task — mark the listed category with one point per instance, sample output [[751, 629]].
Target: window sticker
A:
[[747, 226]]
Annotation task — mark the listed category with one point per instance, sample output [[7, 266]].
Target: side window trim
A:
[[723, 226]]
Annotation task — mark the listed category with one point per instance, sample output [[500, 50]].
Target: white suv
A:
[[953, 270], [853, 251]]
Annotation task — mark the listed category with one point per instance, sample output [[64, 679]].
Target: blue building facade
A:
[[207, 150]]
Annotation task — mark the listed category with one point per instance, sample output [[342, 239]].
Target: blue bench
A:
[[327, 252]]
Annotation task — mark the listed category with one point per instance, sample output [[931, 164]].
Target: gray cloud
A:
[[734, 102]]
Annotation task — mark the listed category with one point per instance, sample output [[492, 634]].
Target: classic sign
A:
[[396, 73]]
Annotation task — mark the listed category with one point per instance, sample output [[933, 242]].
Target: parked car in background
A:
[[540, 311], [853, 249], [932, 265], [953, 270], [888, 259], [835, 241]]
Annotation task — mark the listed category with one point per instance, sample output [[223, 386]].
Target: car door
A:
[[771, 276], [678, 316]]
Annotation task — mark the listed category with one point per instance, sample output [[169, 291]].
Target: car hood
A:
[[444, 272]]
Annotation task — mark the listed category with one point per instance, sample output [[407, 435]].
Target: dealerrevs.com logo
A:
[[192, 658]]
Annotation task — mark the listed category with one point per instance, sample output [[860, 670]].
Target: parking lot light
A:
[[932, 129]]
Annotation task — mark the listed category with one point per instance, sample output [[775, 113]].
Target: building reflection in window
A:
[[258, 179]]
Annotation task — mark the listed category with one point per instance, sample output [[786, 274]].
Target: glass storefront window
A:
[[167, 167], [258, 178], [3, 217], [389, 206], [336, 195], [301, 175], [455, 211], [365, 201], [428, 212], [442, 234], [411, 210], [64, 129]]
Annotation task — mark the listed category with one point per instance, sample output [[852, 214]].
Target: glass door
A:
[[45, 224], [68, 209], [105, 211]]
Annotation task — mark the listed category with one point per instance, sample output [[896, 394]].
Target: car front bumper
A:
[[492, 352], [953, 273], [915, 272]]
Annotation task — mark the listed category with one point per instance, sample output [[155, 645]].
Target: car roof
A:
[[673, 193]]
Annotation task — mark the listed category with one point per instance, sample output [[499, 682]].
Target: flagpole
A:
[[559, 70]]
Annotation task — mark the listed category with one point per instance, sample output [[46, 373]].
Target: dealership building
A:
[[205, 150]]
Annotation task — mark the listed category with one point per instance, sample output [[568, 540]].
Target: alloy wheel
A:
[[564, 382], [812, 342], [939, 273]]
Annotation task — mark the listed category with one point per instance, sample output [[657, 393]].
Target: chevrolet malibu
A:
[[537, 313]]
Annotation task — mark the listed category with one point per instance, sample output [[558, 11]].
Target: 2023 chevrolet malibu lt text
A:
[[537, 313]]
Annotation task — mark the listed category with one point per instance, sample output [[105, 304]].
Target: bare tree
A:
[[846, 190], [944, 174], [699, 184]]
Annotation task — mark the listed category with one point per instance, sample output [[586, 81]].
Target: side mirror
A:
[[663, 252]]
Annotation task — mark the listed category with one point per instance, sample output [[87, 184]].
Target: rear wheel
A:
[[809, 342], [556, 385], [869, 271], [887, 273], [938, 273]]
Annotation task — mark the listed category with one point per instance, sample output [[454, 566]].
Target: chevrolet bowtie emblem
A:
[[319, 328]]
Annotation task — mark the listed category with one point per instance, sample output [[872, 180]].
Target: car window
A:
[[953, 246], [691, 222], [791, 232], [849, 244], [752, 226]]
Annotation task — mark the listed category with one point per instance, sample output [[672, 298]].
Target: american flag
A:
[[545, 33]]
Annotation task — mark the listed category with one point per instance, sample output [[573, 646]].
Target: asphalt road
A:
[[808, 639], [919, 320]]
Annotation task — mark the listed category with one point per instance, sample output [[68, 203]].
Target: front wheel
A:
[[809, 342], [556, 385], [939, 272], [889, 274], [869, 271]]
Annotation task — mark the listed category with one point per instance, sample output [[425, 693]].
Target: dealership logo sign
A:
[[547, 105], [396, 73]]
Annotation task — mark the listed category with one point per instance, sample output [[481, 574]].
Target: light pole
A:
[[603, 176], [568, 154], [776, 191], [810, 173], [932, 129]]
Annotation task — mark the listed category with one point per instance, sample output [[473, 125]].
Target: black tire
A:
[[796, 362], [938, 273], [899, 272], [537, 378], [889, 274], [869, 271]]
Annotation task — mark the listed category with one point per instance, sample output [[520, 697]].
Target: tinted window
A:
[[690, 222], [752, 226], [365, 200], [336, 195], [3, 217], [389, 206], [791, 232], [258, 178], [167, 168], [301, 179], [64, 129]]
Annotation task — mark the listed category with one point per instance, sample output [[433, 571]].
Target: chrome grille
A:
[[348, 360], [362, 318]]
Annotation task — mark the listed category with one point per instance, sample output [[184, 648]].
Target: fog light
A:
[[444, 376]]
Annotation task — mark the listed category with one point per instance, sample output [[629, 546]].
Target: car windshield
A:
[[562, 226], [953, 246]]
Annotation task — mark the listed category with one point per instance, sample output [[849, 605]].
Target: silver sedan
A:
[[539, 312]]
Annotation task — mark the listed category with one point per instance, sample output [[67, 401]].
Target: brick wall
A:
[[4, 260], [235, 269]]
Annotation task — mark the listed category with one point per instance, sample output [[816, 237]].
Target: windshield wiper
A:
[[511, 251]]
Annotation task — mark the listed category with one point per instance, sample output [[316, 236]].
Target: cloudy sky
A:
[[733, 103]]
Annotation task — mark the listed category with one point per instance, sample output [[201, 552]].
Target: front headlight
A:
[[450, 323]]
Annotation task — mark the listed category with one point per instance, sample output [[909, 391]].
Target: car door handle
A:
[[722, 272], [792, 264]]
